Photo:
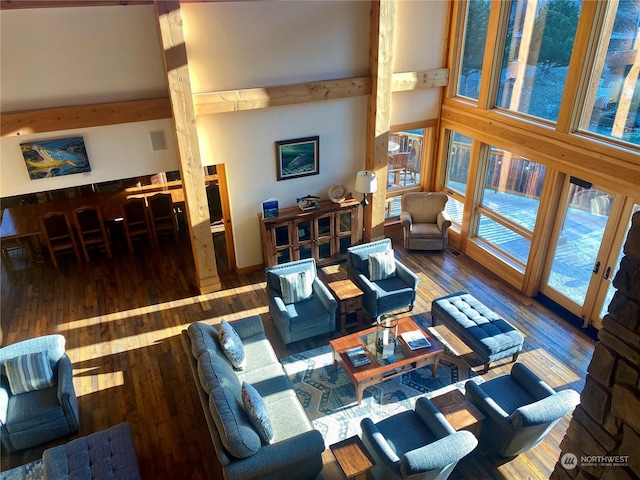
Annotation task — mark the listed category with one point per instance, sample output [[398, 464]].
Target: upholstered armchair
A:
[[37, 400], [424, 220], [387, 284], [416, 445], [300, 305], [520, 409]]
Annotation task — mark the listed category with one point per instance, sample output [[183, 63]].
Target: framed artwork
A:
[[298, 158], [54, 158]]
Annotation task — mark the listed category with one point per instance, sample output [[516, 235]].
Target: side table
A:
[[460, 413], [353, 458], [349, 298]]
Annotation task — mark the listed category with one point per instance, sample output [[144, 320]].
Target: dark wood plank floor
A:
[[122, 318]]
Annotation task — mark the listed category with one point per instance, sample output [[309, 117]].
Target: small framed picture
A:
[[298, 158]]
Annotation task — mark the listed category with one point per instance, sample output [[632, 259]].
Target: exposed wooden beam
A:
[[383, 19], [83, 116], [169, 18], [253, 98], [401, 82], [23, 4], [100, 114]]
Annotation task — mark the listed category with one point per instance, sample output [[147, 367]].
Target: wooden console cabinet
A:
[[323, 234]]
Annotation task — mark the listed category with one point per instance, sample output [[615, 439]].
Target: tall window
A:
[[614, 100], [473, 48], [536, 56], [510, 201], [457, 175]]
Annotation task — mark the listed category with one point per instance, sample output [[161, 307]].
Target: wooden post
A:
[[383, 19], [195, 195]]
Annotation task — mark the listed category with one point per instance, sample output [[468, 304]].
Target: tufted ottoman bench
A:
[[108, 454], [487, 334]]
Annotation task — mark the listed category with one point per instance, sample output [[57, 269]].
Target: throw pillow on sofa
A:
[[231, 345], [29, 372], [257, 410], [237, 433]]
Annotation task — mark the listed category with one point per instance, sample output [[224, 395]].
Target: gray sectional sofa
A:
[[296, 449]]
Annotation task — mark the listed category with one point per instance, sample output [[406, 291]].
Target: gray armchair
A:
[[36, 417], [520, 409], [416, 445], [308, 317], [424, 220], [381, 296]]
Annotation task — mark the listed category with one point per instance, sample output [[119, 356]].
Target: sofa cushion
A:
[[29, 372], [231, 345], [296, 286], [259, 352], [270, 381], [203, 337], [214, 370], [287, 416], [382, 265], [236, 430], [257, 411]]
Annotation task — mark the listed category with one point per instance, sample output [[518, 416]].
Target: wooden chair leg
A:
[[85, 251]]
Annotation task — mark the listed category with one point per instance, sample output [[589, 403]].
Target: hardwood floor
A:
[[122, 319]]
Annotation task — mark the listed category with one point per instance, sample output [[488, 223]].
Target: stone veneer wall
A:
[[607, 421]]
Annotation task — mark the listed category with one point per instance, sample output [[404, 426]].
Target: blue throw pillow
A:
[[296, 286], [30, 372], [382, 265], [257, 411], [231, 345]]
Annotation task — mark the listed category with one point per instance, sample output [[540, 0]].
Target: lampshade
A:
[[366, 182]]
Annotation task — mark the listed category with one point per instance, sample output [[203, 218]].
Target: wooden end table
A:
[[461, 414], [349, 298], [353, 458]]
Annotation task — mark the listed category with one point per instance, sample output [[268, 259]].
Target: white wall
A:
[[245, 141], [73, 56], [56, 57], [419, 45], [69, 56], [114, 152], [253, 44]]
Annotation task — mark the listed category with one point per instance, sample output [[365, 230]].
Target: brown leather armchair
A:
[[425, 221]]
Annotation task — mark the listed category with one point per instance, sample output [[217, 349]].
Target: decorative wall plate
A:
[[338, 193]]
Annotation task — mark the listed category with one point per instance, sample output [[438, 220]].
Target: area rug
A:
[[30, 471], [329, 397]]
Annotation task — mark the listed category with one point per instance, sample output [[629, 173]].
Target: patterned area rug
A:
[[329, 397], [30, 471]]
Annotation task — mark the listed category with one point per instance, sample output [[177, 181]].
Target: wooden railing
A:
[[506, 173]]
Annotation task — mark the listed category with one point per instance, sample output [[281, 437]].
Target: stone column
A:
[[603, 438]]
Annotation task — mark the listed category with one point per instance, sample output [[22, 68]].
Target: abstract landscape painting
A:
[[54, 158]]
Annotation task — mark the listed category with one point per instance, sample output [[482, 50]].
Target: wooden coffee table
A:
[[381, 369], [460, 413]]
